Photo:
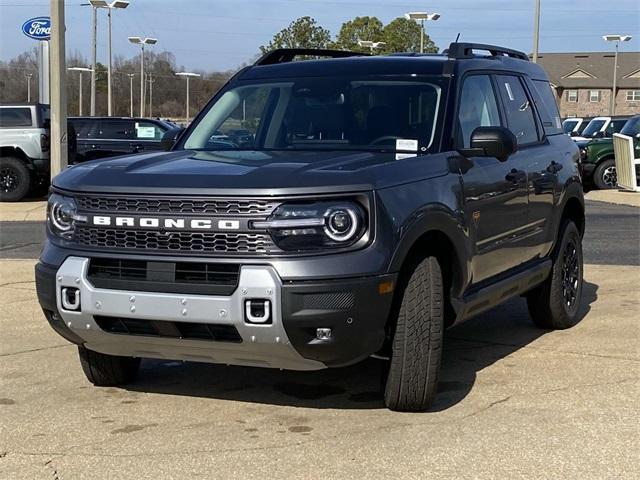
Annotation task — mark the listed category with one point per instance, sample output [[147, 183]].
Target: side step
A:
[[487, 297]]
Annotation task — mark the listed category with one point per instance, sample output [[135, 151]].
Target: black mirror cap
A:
[[170, 138], [497, 142]]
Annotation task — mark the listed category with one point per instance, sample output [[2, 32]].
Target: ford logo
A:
[[38, 28]]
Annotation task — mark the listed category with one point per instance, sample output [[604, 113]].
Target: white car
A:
[[601, 127]]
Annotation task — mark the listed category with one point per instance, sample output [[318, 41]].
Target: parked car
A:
[[382, 200], [574, 126], [597, 159], [24, 149], [102, 137], [601, 127]]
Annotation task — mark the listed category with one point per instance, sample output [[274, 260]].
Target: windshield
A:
[[594, 127], [569, 125], [632, 127], [332, 113]]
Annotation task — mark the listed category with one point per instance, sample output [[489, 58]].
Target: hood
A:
[[243, 172]]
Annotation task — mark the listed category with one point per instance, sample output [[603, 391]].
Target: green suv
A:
[[597, 159]]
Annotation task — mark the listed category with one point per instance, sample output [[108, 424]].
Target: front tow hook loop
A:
[[257, 311], [70, 297]]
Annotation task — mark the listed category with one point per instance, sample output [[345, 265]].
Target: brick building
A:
[[583, 82]]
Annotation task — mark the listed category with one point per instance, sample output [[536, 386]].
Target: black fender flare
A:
[[436, 218]]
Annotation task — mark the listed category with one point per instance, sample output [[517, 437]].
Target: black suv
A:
[[101, 137], [381, 200]]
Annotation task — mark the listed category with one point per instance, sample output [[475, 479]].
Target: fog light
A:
[[323, 333]]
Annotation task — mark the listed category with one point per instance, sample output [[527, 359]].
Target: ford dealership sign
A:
[[38, 28]]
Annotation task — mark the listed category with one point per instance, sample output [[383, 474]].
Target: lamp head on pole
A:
[[422, 16], [105, 4], [187, 74], [617, 38]]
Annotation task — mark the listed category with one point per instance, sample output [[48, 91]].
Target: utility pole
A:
[[79, 70], [188, 75], [536, 32], [142, 42], [131, 75], [94, 34], [151, 82], [617, 39], [28, 77], [59, 139]]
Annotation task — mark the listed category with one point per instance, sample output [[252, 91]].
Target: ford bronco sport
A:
[[378, 201]]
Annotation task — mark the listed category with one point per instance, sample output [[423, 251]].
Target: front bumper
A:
[[353, 309]]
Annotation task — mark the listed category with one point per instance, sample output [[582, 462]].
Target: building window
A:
[[633, 95], [572, 96], [594, 95]]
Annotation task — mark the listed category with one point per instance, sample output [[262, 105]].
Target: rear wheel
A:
[[605, 175], [412, 379], [108, 370], [15, 179], [555, 304]]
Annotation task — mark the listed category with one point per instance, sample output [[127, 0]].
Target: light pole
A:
[[422, 16], [80, 70], [142, 42], [109, 6], [371, 45], [28, 77], [188, 75], [617, 39], [58, 131], [94, 33], [536, 31], [151, 82], [131, 75]]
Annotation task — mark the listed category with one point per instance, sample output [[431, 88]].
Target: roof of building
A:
[[591, 69]]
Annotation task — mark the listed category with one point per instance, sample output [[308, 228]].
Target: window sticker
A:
[[509, 92], [402, 156], [145, 132], [406, 145]]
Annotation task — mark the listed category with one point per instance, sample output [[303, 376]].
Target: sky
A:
[[217, 35]]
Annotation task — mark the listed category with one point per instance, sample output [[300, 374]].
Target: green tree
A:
[[360, 28], [403, 35], [301, 33]]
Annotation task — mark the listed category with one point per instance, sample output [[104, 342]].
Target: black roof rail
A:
[[465, 50], [285, 55]]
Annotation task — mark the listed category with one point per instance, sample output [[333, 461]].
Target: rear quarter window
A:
[[15, 117], [545, 100]]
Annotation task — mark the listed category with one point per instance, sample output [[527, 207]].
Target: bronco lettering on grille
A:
[[166, 223]]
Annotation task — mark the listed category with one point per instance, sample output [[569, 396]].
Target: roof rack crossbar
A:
[[465, 50], [285, 55]]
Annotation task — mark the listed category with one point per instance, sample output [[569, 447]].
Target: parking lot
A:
[[514, 401]]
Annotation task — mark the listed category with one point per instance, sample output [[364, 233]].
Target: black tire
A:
[[555, 304], [15, 179], [604, 176], [412, 379], [108, 370]]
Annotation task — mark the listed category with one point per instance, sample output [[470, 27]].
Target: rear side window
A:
[[15, 117], [478, 108], [85, 128], [520, 119], [148, 131], [615, 126], [116, 130], [547, 107]]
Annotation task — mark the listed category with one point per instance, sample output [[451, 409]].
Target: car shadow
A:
[[469, 348]]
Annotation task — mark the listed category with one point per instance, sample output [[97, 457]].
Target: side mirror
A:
[[170, 138], [496, 142], [573, 134]]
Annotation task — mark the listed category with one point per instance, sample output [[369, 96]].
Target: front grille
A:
[[218, 206], [167, 277], [168, 329], [192, 242]]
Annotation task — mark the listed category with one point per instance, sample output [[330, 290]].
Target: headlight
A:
[[583, 154], [317, 225], [63, 216]]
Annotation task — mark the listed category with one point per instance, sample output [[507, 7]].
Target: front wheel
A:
[[108, 370], [605, 175], [412, 379], [555, 304]]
